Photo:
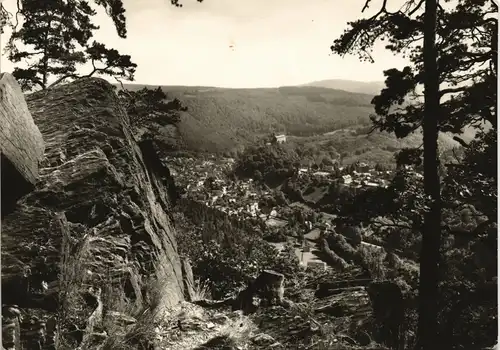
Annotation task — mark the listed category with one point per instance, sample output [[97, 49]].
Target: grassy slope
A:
[[221, 119], [376, 147]]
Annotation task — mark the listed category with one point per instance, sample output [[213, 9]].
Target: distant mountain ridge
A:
[[358, 87], [364, 87]]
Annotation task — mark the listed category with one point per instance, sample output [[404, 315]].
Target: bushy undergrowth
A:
[[228, 266]]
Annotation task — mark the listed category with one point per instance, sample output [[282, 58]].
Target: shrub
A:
[[274, 236], [226, 266]]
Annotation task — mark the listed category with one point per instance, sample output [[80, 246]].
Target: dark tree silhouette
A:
[[55, 41], [151, 105], [457, 66], [431, 234], [5, 17]]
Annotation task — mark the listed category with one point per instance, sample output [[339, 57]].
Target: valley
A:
[[267, 210], [260, 175], [320, 120]]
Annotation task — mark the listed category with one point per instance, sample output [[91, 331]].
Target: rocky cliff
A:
[[93, 241], [21, 144]]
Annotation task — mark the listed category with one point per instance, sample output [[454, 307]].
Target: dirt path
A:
[[330, 133]]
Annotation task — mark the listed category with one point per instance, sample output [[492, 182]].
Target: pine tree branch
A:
[[460, 141], [452, 90], [75, 76], [122, 86], [18, 12], [419, 5], [61, 79], [39, 83], [5, 17]]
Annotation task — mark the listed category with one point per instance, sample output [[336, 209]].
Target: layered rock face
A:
[[21, 144], [95, 234]]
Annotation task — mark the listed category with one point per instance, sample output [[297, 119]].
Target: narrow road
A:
[[330, 133]]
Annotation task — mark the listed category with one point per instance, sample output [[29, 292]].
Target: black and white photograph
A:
[[249, 174]]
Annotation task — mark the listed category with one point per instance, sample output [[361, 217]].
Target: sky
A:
[[238, 43]]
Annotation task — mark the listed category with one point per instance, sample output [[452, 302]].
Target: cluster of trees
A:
[[55, 40], [348, 146], [215, 220], [227, 258], [276, 164], [150, 110], [54, 43], [271, 164], [336, 198], [151, 106], [452, 48]]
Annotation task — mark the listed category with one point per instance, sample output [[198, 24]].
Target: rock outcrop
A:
[[21, 144], [94, 238], [268, 286]]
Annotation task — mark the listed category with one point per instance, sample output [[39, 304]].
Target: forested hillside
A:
[[225, 119], [328, 121]]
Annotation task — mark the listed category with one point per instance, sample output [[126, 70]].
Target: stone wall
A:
[[94, 234]]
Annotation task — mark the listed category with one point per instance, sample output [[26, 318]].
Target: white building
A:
[[321, 173], [280, 138], [253, 208], [309, 225], [276, 223], [347, 179]]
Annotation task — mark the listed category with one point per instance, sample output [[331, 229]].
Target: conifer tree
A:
[[452, 49], [55, 41]]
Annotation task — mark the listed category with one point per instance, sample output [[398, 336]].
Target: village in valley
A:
[[207, 180]]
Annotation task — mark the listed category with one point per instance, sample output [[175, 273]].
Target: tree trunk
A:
[[45, 57], [431, 236]]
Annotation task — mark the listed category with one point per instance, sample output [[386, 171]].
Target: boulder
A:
[[269, 285], [21, 144], [95, 234], [268, 288]]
